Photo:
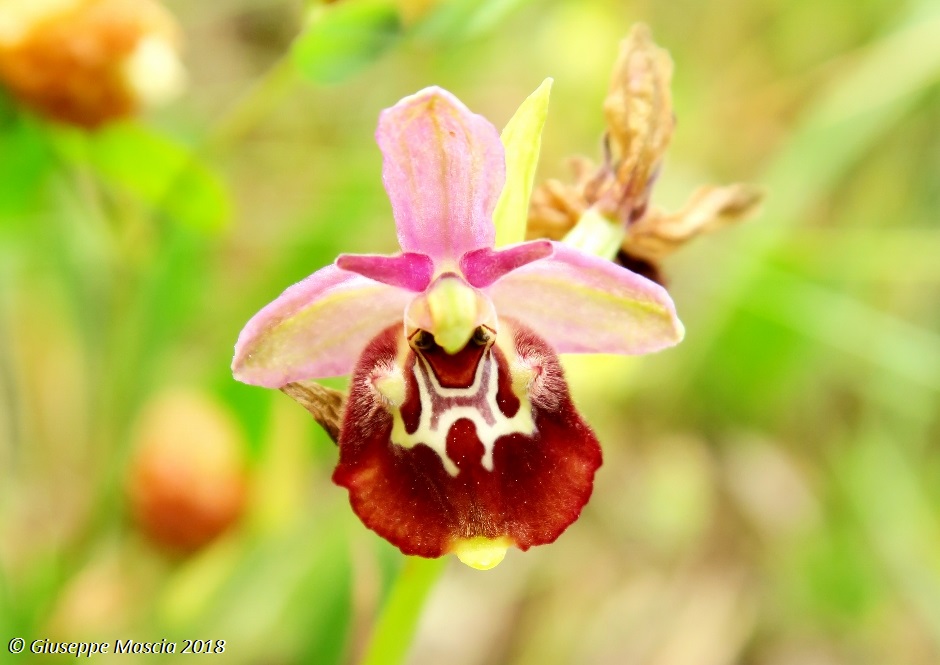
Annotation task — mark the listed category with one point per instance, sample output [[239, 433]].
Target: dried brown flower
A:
[[640, 122]]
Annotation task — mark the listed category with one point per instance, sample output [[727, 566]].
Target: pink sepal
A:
[[584, 304], [316, 328], [443, 169]]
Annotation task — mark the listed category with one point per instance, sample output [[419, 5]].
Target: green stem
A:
[[254, 105], [597, 235], [398, 620]]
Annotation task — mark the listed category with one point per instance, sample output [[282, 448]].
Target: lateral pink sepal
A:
[[583, 304], [316, 328]]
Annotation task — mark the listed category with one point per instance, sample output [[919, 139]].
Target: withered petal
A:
[[639, 114], [326, 405], [710, 208]]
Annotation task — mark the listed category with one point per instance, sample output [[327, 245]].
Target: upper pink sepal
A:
[[584, 304], [316, 328], [484, 266], [443, 169], [408, 271]]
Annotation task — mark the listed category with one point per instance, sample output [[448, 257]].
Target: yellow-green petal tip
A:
[[481, 553]]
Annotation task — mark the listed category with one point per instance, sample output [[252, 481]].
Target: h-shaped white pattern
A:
[[441, 407]]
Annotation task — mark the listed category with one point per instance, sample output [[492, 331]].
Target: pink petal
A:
[[443, 170], [584, 304], [484, 266], [316, 328], [407, 271]]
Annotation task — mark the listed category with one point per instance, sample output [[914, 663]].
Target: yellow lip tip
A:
[[481, 553]]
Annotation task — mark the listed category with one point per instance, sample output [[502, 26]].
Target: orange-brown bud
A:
[[186, 482], [86, 62]]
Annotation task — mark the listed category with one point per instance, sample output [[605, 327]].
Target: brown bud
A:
[[186, 483], [86, 62], [555, 207]]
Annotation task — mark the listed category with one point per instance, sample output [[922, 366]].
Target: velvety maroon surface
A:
[[536, 489]]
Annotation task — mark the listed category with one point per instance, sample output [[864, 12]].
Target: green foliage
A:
[[24, 167], [161, 172], [342, 39], [463, 19], [392, 635]]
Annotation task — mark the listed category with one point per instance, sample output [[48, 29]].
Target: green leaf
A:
[[273, 598], [160, 172], [845, 323], [463, 19], [522, 139], [891, 502], [343, 38], [26, 161]]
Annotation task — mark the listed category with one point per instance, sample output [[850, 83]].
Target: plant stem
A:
[[254, 105], [596, 235], [398, 620]]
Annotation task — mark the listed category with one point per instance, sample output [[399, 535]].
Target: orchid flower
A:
[[459, 434]]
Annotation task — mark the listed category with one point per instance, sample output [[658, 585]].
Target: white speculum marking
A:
[[442, 407]]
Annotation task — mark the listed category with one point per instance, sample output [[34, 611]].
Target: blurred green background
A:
[[771, 487]]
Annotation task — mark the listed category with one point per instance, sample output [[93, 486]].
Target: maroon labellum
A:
[[485, 443]]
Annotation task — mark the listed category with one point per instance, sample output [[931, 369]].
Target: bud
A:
[[659, 233], [186, 483], [85, 62]]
